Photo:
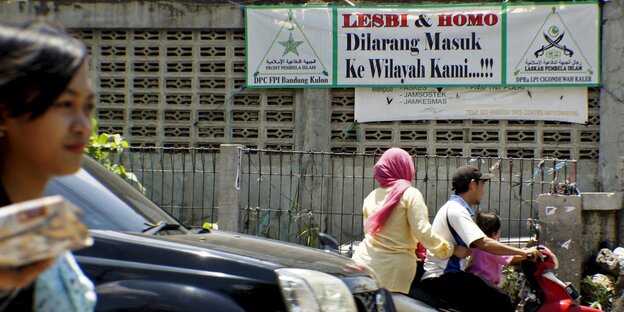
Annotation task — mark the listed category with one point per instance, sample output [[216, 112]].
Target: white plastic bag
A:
[[40, 229]]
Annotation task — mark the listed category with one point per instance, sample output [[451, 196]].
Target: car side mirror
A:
[[328, 243]]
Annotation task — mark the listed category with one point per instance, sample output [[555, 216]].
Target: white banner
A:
[[554, 45], [388, 104], [459, 45], [420, 46], [289, 47]]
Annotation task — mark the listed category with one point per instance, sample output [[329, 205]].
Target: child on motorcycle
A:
[[482, 263], [445, 279]]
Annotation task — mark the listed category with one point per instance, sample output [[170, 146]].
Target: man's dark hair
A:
[[488, 222], [463, 175]]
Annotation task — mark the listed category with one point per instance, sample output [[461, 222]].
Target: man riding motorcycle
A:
[[445, 279]]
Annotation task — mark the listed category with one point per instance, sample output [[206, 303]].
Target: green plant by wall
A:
[[107, 149], [310, 232], [511, 283], [596, 295]]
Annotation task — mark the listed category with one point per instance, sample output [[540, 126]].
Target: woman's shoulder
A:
[[376, 194], [413, 191], [412, 194]]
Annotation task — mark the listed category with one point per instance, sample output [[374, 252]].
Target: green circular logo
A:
[[553, 31]]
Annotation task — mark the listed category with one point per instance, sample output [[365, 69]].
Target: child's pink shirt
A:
[[487, 265]]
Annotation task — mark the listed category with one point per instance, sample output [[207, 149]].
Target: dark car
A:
[[144, 260]]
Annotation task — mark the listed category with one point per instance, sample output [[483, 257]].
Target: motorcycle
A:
[[402, 303], [540, 289]]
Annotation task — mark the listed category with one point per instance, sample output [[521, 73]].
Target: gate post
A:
[[574, 227], [229, 187], [562, 232]]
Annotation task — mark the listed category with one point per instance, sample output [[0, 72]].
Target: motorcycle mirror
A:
[[537, 232], [534, 228]]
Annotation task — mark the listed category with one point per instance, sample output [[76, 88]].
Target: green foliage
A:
[[511, 283], [311, 234], [304, 218], [103, 147], [305, 221], [597, 295]]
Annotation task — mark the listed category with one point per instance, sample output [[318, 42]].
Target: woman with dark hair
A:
[[395, 220], [46, 105]]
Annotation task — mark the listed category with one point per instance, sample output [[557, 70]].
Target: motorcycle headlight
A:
[[307, 290]]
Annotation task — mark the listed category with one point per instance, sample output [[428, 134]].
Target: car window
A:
[[130, 196], [102, 209], [110, 203]]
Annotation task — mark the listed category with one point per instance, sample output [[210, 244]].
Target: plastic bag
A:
[[40, 229]]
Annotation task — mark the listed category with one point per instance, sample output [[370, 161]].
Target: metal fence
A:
[[182, 181], [293, 195]]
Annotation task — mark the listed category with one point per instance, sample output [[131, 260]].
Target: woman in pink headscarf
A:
[[395, 220]]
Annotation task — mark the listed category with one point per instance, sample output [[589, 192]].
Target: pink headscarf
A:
[[395, 168]]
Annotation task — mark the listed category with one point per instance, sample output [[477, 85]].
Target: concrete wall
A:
[[128, 14], [313, 120], [574, 227], [561, 224], [611, 171]]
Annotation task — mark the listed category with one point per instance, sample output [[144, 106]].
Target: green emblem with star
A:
[[290, 45]]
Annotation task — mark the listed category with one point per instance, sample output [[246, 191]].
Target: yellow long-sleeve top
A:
[[391, 253]]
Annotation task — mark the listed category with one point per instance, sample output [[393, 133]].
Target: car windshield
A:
[[109, 203]]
